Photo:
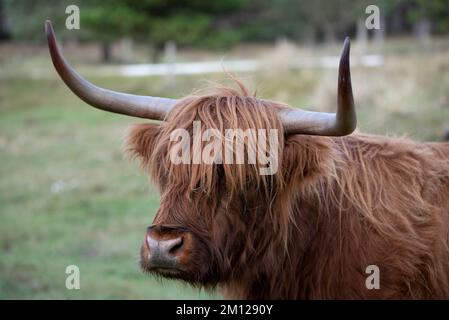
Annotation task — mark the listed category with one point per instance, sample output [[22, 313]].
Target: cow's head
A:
[[216, 218]]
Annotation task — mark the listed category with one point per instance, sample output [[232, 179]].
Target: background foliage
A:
[[220, 24]]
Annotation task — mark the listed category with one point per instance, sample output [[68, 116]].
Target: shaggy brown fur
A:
[[335, 206]]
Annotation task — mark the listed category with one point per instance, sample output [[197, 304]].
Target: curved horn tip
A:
[[346, 47], [49, 32], [131, 105], [48, 26]]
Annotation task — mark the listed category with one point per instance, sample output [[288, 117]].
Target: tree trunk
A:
[[169, 59], [422, 30], [5, 30], [126, 50], [362, 36], [106, 52], [379, 34]]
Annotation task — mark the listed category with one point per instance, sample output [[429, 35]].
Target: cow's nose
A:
[[163, 253]]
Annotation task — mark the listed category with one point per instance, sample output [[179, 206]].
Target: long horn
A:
[[132, 105], [342, 123]]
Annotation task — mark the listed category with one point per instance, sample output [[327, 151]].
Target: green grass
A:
[[49, 138]]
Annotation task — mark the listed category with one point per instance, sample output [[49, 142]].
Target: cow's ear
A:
[[305, 159], [142, 140]]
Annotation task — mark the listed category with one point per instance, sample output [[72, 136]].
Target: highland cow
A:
[[340, 201]]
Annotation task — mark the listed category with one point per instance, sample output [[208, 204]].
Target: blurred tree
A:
[[268, 20], [4, 23], [107, 21], [194, 22], [435, 11], [216, 24], [299, 19], [26, 18], [330, 18]]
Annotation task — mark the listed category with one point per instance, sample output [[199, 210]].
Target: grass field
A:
[[68, 194]]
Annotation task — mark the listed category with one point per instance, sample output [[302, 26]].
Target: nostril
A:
[[164, 247], [176, 245], [163, 253]]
